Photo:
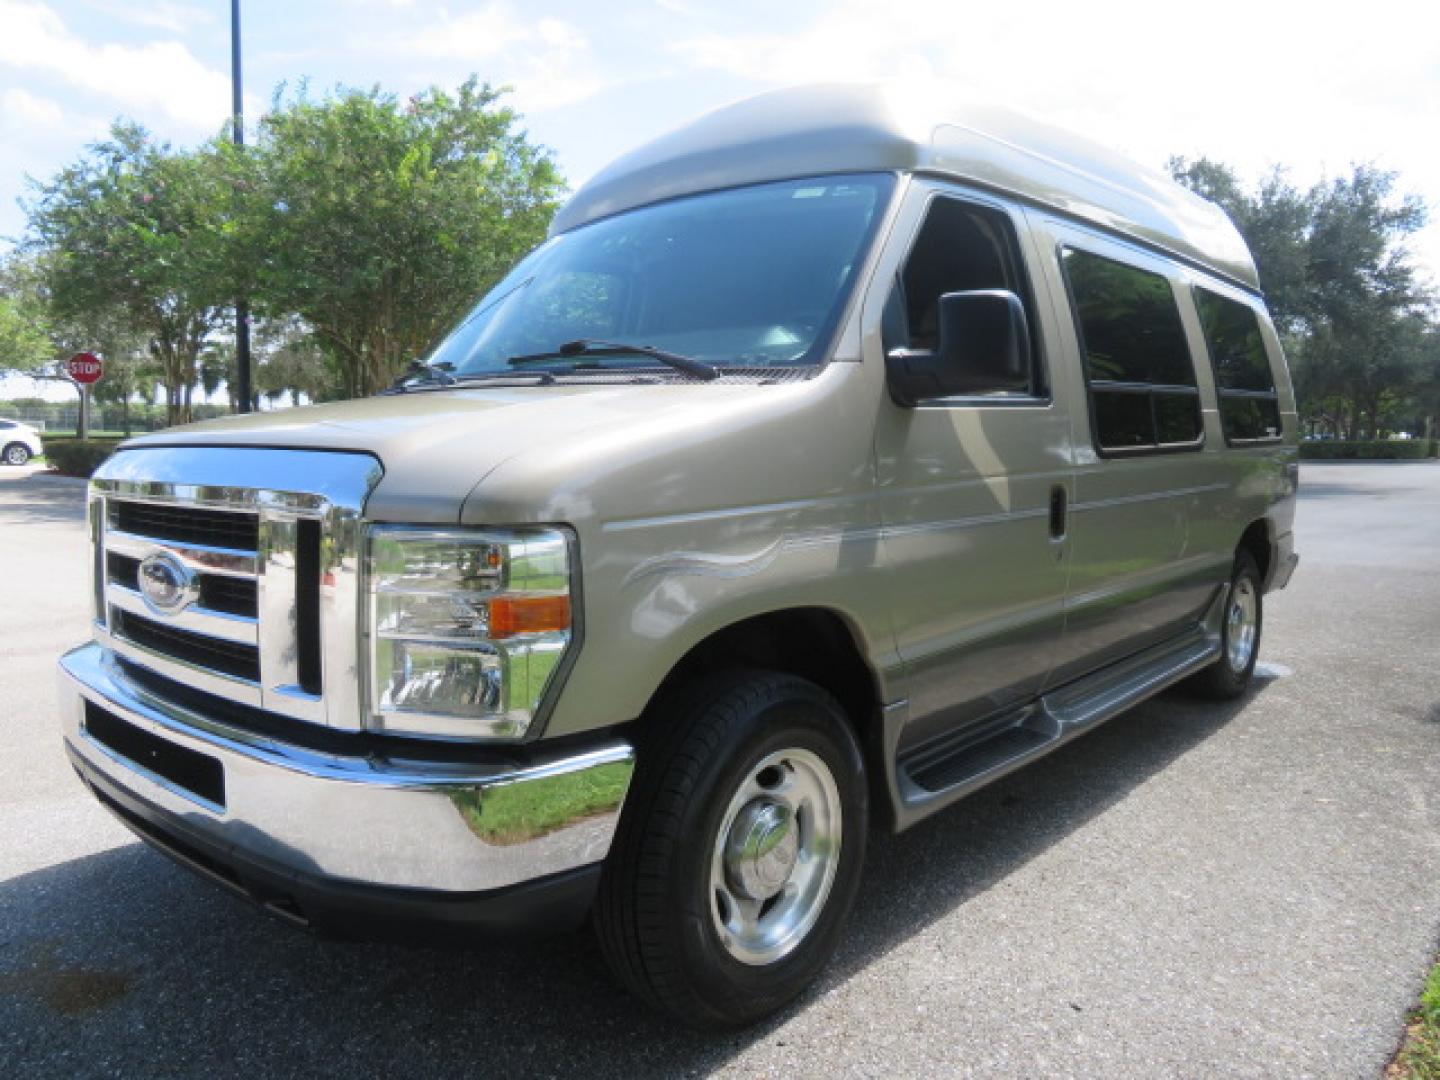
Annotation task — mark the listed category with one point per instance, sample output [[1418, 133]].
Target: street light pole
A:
[[242, 305]]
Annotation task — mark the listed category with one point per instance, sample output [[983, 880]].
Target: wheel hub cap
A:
[[775, 856], [762, 849], [1240, 625]]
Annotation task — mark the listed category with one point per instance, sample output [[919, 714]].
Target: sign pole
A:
[[243, 395], [84, 369]]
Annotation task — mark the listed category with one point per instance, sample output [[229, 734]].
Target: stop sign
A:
[[85, 367]]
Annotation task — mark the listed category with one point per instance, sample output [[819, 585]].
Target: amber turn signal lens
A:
[[511, 615]]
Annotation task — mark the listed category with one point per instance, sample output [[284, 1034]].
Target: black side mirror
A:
[[984, 348]]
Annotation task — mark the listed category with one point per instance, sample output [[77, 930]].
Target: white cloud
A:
[[549, 61], [473, 35], [678, 7], [161, 77], [20, 108], [156, 14], [1252, 84]]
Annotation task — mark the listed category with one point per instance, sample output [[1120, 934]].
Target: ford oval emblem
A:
[[166, 583]]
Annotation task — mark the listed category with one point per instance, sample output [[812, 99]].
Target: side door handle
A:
[[1059, 510]]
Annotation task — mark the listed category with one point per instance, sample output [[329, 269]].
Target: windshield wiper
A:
[[596, 347], [542, 378], [421, 372]]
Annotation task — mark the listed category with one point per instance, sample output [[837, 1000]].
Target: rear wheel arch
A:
[[1259, 540]]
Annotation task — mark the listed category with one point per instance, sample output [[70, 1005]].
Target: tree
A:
[[1366, 310], [25, 344], [53, 337], [128, 372], [137, 225], [378, 223], [1275, 222], [292, 361], [1340, 285]]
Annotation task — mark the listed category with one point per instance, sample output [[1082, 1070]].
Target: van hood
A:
[[438, 446]]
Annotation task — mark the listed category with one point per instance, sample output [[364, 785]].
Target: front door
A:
[[972, 490]]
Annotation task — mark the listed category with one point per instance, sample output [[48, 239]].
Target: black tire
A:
[[1224, 680], [15, 454], [658, 913]]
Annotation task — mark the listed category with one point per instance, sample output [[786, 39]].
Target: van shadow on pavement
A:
[[40, 498], [125, 962]]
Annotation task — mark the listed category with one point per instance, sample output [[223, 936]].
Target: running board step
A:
[[938, 772]]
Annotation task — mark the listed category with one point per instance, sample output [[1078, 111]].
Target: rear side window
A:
[[1143, 394], [1249, 406]]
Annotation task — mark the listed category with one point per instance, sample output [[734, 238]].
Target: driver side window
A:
[[961, 247]]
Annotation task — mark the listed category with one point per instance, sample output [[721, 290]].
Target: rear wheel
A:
[[739, 851], [17, 454], [1240, 624]]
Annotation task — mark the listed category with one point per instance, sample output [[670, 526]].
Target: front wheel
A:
[[17, 454], [739, 852], [1240, 623]]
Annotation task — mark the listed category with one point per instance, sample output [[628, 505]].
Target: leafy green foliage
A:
[[137, 226], [1357, 322], [24, 345], [25, 326], [362, 226], [378, 222], [74, 457], [1367, 449], [289, 359]]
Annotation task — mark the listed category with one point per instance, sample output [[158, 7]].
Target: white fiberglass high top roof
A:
[[815, 130]]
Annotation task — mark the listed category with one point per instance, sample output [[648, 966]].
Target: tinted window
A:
[[1137, 362], [1232, 333], [1249, 407], [1177, 417], [1125, 418], [961, 247], [1249, 418], [1130, 322]]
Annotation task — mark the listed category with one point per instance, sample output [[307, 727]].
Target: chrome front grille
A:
[[220, 529], [253, 589]]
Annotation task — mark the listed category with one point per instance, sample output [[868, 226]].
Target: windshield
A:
[[747, 277]]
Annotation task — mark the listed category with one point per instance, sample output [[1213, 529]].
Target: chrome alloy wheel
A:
[[774, 856], [1241, 624]]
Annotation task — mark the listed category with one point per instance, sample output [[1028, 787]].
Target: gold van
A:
[[829, 461]]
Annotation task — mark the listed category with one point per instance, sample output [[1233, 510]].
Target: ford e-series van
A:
[[826, 463]]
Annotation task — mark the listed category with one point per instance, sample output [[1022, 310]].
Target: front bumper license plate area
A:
[[189, 773]]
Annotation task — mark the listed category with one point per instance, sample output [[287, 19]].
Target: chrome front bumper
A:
[[489, 821]]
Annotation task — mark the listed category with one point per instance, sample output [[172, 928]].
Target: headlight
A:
[[467, 627]]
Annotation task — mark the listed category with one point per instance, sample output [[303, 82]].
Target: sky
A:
[[1312, 87]]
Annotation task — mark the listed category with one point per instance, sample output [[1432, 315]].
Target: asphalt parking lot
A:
[[1190, 891]]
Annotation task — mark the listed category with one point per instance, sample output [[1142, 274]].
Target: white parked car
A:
[[18, 442]]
